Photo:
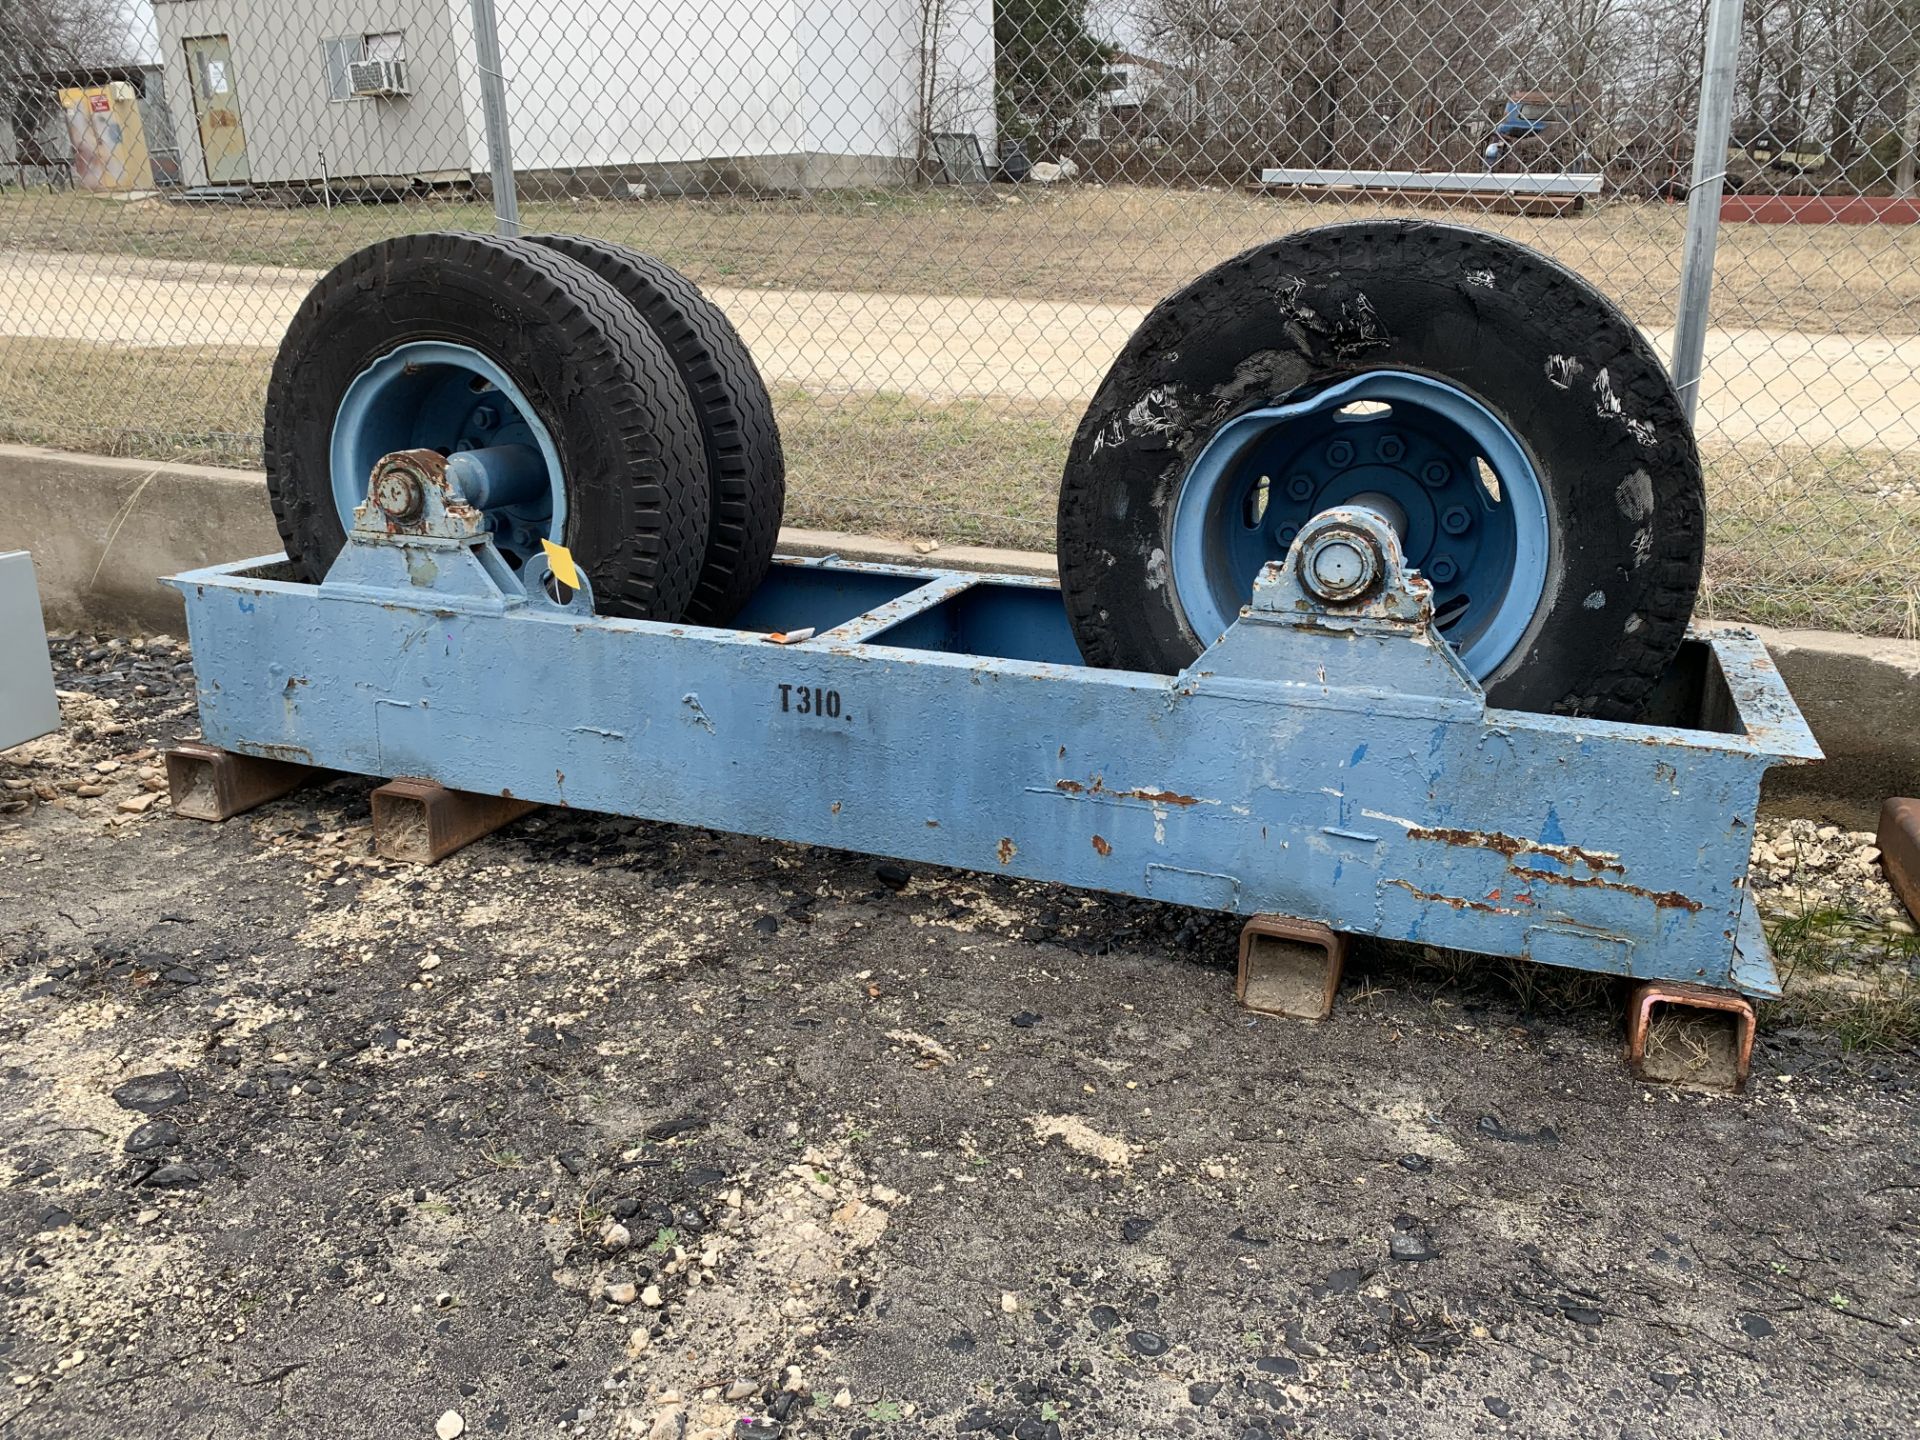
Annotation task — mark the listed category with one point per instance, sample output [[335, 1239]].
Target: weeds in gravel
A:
[[1809, 939], [1883, 1020], [589, 1219], [1856, 980], [1841, 973]]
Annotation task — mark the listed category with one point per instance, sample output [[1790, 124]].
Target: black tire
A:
[[632, 457], [744, 464], [1553, 359]]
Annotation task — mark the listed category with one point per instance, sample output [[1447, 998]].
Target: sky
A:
[[142, 43]]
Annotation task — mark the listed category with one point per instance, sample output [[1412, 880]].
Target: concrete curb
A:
[[103, 531]]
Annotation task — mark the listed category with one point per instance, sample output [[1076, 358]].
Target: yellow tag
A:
[[560, 561]]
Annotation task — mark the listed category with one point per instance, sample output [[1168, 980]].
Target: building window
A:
[[340, 53], [343, 50], [213, 75]]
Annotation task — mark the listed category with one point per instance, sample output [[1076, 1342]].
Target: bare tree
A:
[[38, 36], [932, 21], [1421, 83], [1903, 174]]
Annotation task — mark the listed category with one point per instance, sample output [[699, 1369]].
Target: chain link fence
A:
[[936, 221]]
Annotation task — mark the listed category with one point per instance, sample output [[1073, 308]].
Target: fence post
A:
[[1717, 73], [493, 104]]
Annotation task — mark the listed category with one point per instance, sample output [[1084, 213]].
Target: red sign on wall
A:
[[99, 104]]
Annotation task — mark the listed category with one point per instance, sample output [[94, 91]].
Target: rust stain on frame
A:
[[1512, 846]]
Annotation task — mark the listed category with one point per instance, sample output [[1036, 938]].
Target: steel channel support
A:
[[1680, 1034], [422, 821], [1899, 841], [208, 783], [1289, 967], [493, 105], [1711, 133]]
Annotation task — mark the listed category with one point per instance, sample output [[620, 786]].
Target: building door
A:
[[216, 101]]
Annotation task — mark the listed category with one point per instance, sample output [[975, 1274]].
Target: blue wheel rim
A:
[[1453, 479], [435, 395]]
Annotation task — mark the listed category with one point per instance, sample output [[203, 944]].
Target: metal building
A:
[[756, 94]]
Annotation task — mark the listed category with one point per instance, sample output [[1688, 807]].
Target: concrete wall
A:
[[1861, 695], [644, 84], [280, 75], [103, 531], [860, 74], [663, 84]]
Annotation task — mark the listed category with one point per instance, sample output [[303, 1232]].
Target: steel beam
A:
[[422, 821], [1327, 758], [1289, 967], [208, 783], [1899, 840], [1679, 1034]]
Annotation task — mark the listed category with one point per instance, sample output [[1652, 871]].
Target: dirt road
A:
[[611, 1129], [1860, 391]]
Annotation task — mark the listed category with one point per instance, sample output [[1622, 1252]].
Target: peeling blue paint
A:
[[1550, 831], [853, 737]]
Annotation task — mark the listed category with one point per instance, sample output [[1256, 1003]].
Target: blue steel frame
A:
[[1334, 764]]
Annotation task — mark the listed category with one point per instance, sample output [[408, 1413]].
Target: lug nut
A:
[[1456, 521], [1340, 454], [1442, 570], [1300, 487], [1436, 474], [485, 418], [1391, 447]]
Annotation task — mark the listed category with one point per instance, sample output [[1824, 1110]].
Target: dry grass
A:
[[961, 472], [1797, 536], [202, 406], [1113, 245], [1820, 538], [1794, 537]]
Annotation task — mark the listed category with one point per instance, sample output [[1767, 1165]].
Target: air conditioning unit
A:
[[375, 78]]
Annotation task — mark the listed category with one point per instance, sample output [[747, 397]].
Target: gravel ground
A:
[[611, 1129]]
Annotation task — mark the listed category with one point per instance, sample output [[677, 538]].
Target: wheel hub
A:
[[438, 396], [1340, 564], [1450, 477]]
